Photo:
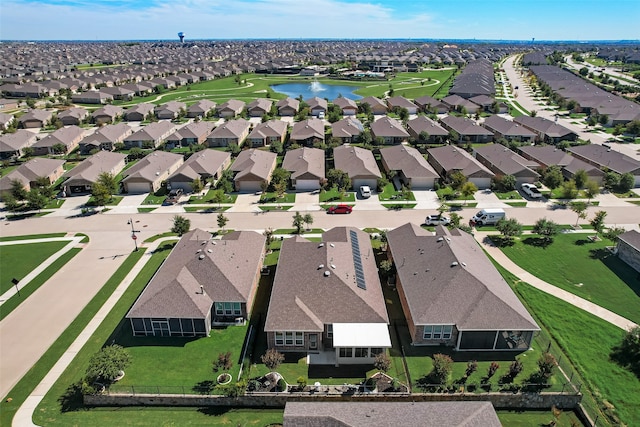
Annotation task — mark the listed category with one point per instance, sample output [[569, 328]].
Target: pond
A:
[[309, 90]]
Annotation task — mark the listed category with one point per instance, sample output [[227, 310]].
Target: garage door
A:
[[138, 187], [357, 183], [421, 183], [307, 184], [184, 186], [249, 186], [481, 183]]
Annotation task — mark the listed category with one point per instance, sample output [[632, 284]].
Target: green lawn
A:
[[156, 198], [517, 204], [584, 268], [448, 193], [389, 193], [334, 195], [31, 237], [536, 418], [112, 202], [509, 195], [55, 204], [272, 198], [587, 341], [207, 198], [16, 261], [146, 210], [397, 206], [275, 208]]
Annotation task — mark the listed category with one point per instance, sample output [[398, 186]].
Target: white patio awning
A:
[[361, 335]]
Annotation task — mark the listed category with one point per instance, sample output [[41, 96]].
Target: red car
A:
[[340, 209]]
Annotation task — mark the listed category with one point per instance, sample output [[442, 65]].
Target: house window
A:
[[288, 338], [228, 308], [236, 309], [219, 308], [375, 351], [330, 331], [279, 338], [299, 338], [346, 352], [437, 332], [362, 352]]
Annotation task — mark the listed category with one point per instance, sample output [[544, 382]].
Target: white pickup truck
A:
[[531, 191]]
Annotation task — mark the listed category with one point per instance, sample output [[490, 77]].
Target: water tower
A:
[[181, 35]]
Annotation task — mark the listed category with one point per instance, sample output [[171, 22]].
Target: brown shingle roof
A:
[[408, 160], [355, 161]]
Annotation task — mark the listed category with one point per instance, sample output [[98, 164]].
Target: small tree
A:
[[455, 220], [493, 367], [386, 266], [515, 368], [547, 229], [509, 228], [442, 209], [36, 200], [457, 179], [298, 221], [382, 362], [591, 189], [472, 366], [626, 183], [272, 359], [308, 219], [613, 233], [196, 185], [442, 367], [569, 190], [222, 221], [100, 194], [218, 197], [627, 353], [108, 180], [546, 365], [553, 177], [10, 202], [580, 178], [598, 221], [181, 225], [468, 190], [107, 364], [18, 191], [580, 209], [223, 362], [268, 234]]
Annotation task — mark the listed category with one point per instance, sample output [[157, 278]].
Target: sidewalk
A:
[[504, 261], [24, 415]]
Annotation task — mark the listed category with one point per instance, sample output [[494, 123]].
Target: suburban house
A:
[[503, 161], [348, 129], [547, 130], [147, 175], [431, 105], [377, 105], [388, 130], [452, 295], [411, 168], [105, 138], [67, 138], [458, 103], [424, 126], [6, 120], [468, 130], [548, 155], [29, 172], [288, 107], [208, 165], [201, 108], [91, 97], [307, 132], [191, 134], [383, 414], [359, 164], [229, 132], [80, 179], [402, 102], [150, 136], [170, 110], [73, 116], [327, 300], [106, 114], [8, 104], [628, 249], [607, 159], [139, 113], [13, 144], [317, 106], [265, 133], [251, 168], [35, 119], [231, 108], [259, 107], [484, 101], [119, 93], [509, 130], [346, 105], [448, 159], [306, 166], [200, 285]]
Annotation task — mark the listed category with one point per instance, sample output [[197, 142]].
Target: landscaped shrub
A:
[[472, 366], [107, 364], [493, 367], [223, 362], [382, 362], [546, 364], [302, 382], [272, 359], [282, 385], [442, 367]]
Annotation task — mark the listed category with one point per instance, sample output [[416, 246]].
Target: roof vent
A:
[[333, 266], [454, 264], [327, 273], [440, 239], [464, 264], [198, 251], [320, 266], [210, 251], [332, 245], [321, 245], [201, 257]]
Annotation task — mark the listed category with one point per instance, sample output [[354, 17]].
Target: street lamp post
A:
[[133, 234]]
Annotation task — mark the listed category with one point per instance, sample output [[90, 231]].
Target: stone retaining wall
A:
[[499, 400]]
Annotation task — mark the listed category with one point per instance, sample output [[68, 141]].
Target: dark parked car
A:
[[174, 196], [340, 209]]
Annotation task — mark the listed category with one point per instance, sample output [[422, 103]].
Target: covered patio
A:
[[358, 343]]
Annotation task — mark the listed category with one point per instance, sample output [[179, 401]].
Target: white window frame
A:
[[237, 308], [288, 338], [348, 352], [220, 309], [437, 332], [299, 339], [330, 330], [279, 338]]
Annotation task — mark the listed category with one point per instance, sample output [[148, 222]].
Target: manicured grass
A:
[[397, 206], [272, 198], [160, 236], [536, 418], [448, 193], [16, 261], [38, 281], [389, 193], [146, 210], [275, 208], [113, 201], [453, 205], [49, 411], [334, 196], [85, 238], [31, 236], [510, 195], [31, 379], [55, 204], [206, 209], [207, 198], [584, 268], [155, 198], [588, 341], [293, 231], [517, 204]]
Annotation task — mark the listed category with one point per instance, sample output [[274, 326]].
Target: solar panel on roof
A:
[[357, 260]]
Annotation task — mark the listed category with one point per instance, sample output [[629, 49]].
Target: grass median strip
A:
[[31, 379]]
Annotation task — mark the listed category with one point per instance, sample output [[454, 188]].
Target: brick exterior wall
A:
[[629, 254]]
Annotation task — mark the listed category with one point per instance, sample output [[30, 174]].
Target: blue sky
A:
[[215, 19]]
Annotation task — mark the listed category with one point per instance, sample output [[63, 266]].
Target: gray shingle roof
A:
[[408, 160], [355, 161]]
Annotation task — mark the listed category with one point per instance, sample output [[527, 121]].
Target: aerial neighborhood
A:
[[190, 195]]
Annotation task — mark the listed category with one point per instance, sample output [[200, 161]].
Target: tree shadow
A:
[[502, 241], [204, 387], [72, 399], [541, 242], [600, 253]]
